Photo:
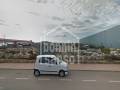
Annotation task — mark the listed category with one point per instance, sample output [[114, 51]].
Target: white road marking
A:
[[22, 78], [89, 80], [114, 81], [44, 79], [65, 79], [2, 77]]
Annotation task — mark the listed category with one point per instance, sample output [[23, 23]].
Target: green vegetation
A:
[[105, 50]]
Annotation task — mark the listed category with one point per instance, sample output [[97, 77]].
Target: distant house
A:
[[14, 43]]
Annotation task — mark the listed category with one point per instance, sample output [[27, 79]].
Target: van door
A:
[[53, 66], [43, 65]]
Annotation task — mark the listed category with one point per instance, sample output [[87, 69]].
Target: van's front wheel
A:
[[62, 73], [36, 73]]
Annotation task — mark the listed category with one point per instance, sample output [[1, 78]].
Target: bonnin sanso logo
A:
[[63, 43]]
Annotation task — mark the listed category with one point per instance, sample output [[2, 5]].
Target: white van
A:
[[50, 64]]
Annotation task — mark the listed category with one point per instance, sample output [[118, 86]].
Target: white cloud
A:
[[28, 19]]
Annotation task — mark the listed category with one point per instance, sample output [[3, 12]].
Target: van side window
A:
[[44, 60], [52, 61], [47, 60]]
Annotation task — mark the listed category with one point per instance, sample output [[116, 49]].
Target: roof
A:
[[45, 56]]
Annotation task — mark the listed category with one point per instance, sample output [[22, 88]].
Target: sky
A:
[[56, 20]]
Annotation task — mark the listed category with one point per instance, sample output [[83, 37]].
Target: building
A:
[[12, 43], [109, 38]]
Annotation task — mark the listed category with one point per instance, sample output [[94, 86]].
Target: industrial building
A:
[[109, 38]]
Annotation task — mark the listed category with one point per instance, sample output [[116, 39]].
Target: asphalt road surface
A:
[[77, 80]]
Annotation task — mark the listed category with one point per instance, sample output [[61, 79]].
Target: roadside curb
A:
[[13, 69], [70, 70], [73, 67]]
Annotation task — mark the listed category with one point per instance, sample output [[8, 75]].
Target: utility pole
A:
[[4, 44]]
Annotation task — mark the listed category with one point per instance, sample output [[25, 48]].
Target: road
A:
[[77, 80]]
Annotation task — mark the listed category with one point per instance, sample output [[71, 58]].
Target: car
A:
[[50, 64]]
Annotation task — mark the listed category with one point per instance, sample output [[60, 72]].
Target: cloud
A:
[[87, 17], [30, 19]]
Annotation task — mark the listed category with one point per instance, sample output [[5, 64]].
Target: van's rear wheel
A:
[[36, 73], [62, 73]]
